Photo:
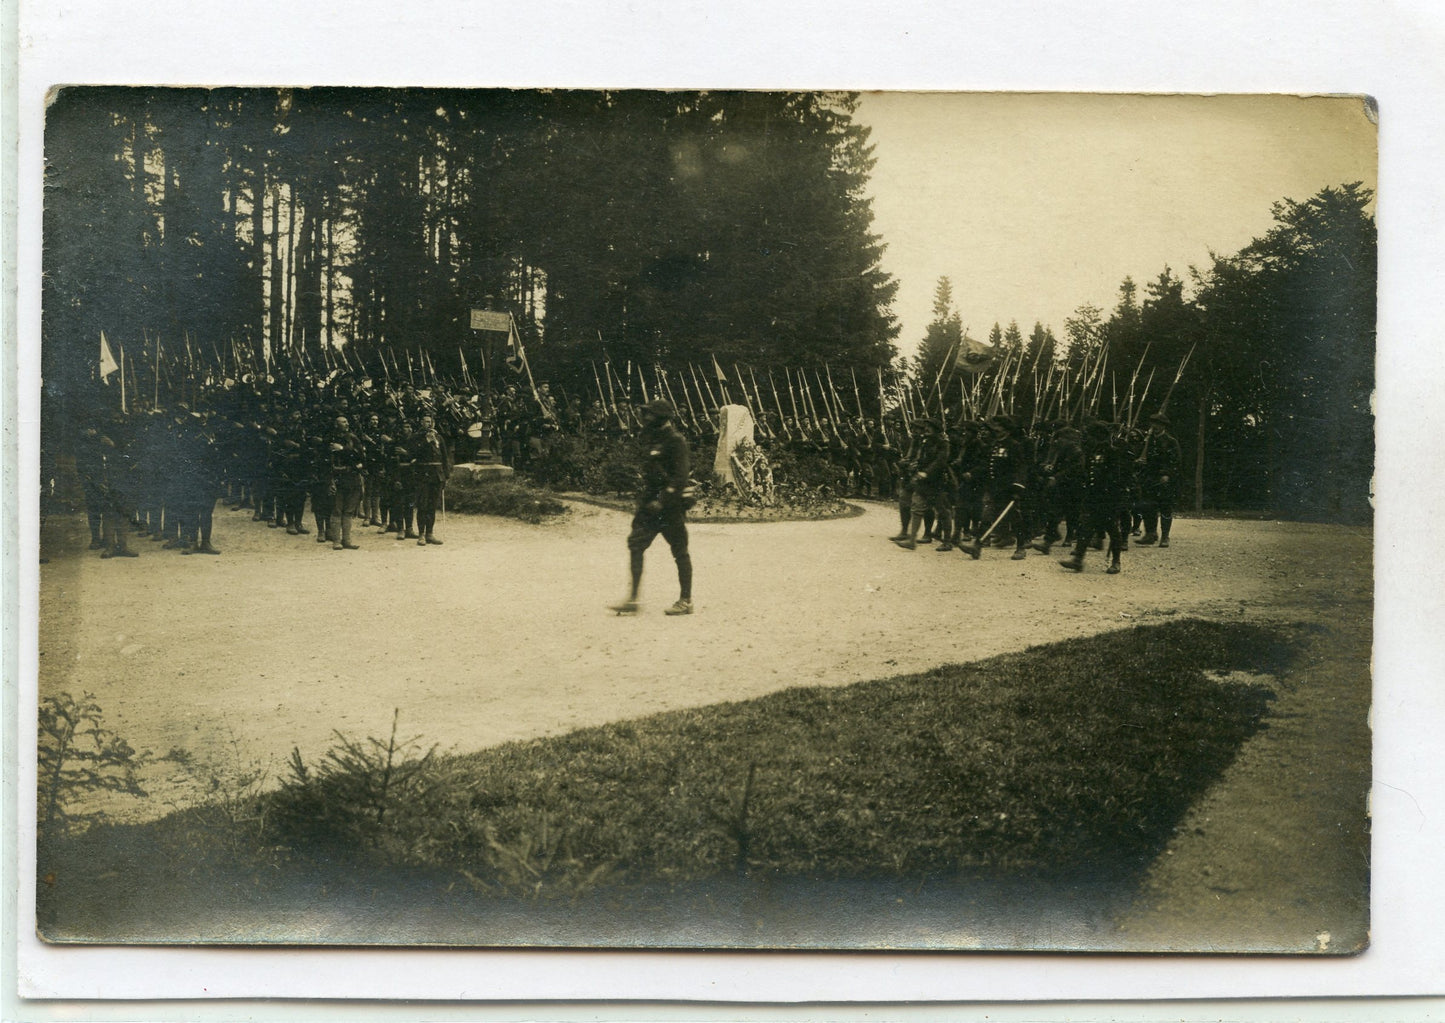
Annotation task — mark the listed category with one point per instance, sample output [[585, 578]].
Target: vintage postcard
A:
[[667, 519], [797, 423]]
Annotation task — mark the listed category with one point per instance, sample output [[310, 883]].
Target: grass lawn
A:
[[1055, 769]]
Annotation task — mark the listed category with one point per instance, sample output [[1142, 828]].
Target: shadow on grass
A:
[[1010, 803]]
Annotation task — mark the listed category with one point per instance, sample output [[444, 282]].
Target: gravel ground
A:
[[503, 633]]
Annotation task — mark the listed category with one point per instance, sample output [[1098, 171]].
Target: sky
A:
[[1034, 204]]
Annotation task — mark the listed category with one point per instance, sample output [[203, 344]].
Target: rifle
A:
[[701, 401], [754, 402], [832, 412], [793, 399], [712, 398], [1178, 375], [757, 391], [857, 396], [783, 419]]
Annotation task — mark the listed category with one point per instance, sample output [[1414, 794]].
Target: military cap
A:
[[660, 407]]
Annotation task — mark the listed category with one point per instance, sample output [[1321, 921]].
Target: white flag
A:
[[108, 365]]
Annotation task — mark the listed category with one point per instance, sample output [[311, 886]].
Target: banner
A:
[[108, 365], [974, 356]]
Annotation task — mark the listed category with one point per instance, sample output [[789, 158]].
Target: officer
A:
[[661, 504]]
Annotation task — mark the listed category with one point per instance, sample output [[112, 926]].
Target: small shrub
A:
[[230, 811], [352, 799], [506, 498], [78, 757]]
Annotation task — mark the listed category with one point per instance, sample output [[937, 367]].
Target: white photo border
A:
[[1333, 46]]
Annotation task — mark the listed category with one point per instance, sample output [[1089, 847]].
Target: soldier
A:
[[90, 466], [201, 486], [293, 475], [661, 504], [1062, 475], [431, 467], [375, 452], [1009, 467], [347, 461], [119, 484], [1105, 483], [930, 480], [323, 495], [1159, 478]]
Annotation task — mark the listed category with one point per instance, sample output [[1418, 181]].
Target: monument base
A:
[[481, 472]]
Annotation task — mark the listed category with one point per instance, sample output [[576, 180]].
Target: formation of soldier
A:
[[355, 454], [998, 483], [381, 456]]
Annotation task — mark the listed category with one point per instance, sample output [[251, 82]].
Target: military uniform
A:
[[661, 503], [1105, 491], [430, 469], [1159, 468]]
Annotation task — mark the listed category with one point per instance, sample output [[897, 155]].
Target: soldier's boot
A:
[[1019, 554], [680, 607], [624, 607], [1044, 546], [1163, 541], [1148, 540], [1074, 562], [204, 547], [1113, 568], [1124, 542], [410, 535], [432, 540]]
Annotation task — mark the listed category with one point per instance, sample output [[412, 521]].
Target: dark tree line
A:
[[646, 226], [1274, 408]]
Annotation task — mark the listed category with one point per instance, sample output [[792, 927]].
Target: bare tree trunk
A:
[[1199, 451], [290, 266], [329, 268], [277, 323], [258, 240]]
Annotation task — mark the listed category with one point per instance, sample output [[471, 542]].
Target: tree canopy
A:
[[651, 226]]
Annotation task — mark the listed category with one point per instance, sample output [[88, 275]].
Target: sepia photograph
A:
[[585, 518]]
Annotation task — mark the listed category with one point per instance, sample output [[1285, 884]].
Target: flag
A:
[[974, 356], [721, 376], [108, 365], [516, 354]]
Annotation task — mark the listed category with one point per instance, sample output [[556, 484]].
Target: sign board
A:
[[486, 319]]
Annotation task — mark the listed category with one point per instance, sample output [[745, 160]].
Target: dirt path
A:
[[503, 634]]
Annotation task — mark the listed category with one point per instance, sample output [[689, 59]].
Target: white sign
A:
[[486, 319]]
